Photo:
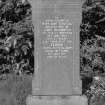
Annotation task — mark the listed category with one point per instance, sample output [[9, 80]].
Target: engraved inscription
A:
[[58, 38]]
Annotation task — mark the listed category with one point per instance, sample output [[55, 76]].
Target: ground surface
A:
[[14, 89]]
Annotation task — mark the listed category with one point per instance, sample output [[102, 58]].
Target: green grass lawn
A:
[[14, 89]]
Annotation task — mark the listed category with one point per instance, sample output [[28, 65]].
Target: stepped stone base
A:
[[56, 100]]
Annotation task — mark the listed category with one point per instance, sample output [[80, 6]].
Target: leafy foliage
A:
[[16, 37], [92, 51], [93, 19], [96, 92], [93, 57]]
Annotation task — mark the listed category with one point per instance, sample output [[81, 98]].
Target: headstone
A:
[[56, 24], [57, 59]]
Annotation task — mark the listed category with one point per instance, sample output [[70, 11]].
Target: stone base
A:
[[56, 100]]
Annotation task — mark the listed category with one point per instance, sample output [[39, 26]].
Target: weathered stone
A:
[[57, 100], [57, 60]]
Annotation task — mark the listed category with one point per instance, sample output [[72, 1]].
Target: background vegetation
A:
[[92, 49], [16, 51], [16, 37]]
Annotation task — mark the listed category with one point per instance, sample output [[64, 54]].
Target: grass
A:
[[14, 89]]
